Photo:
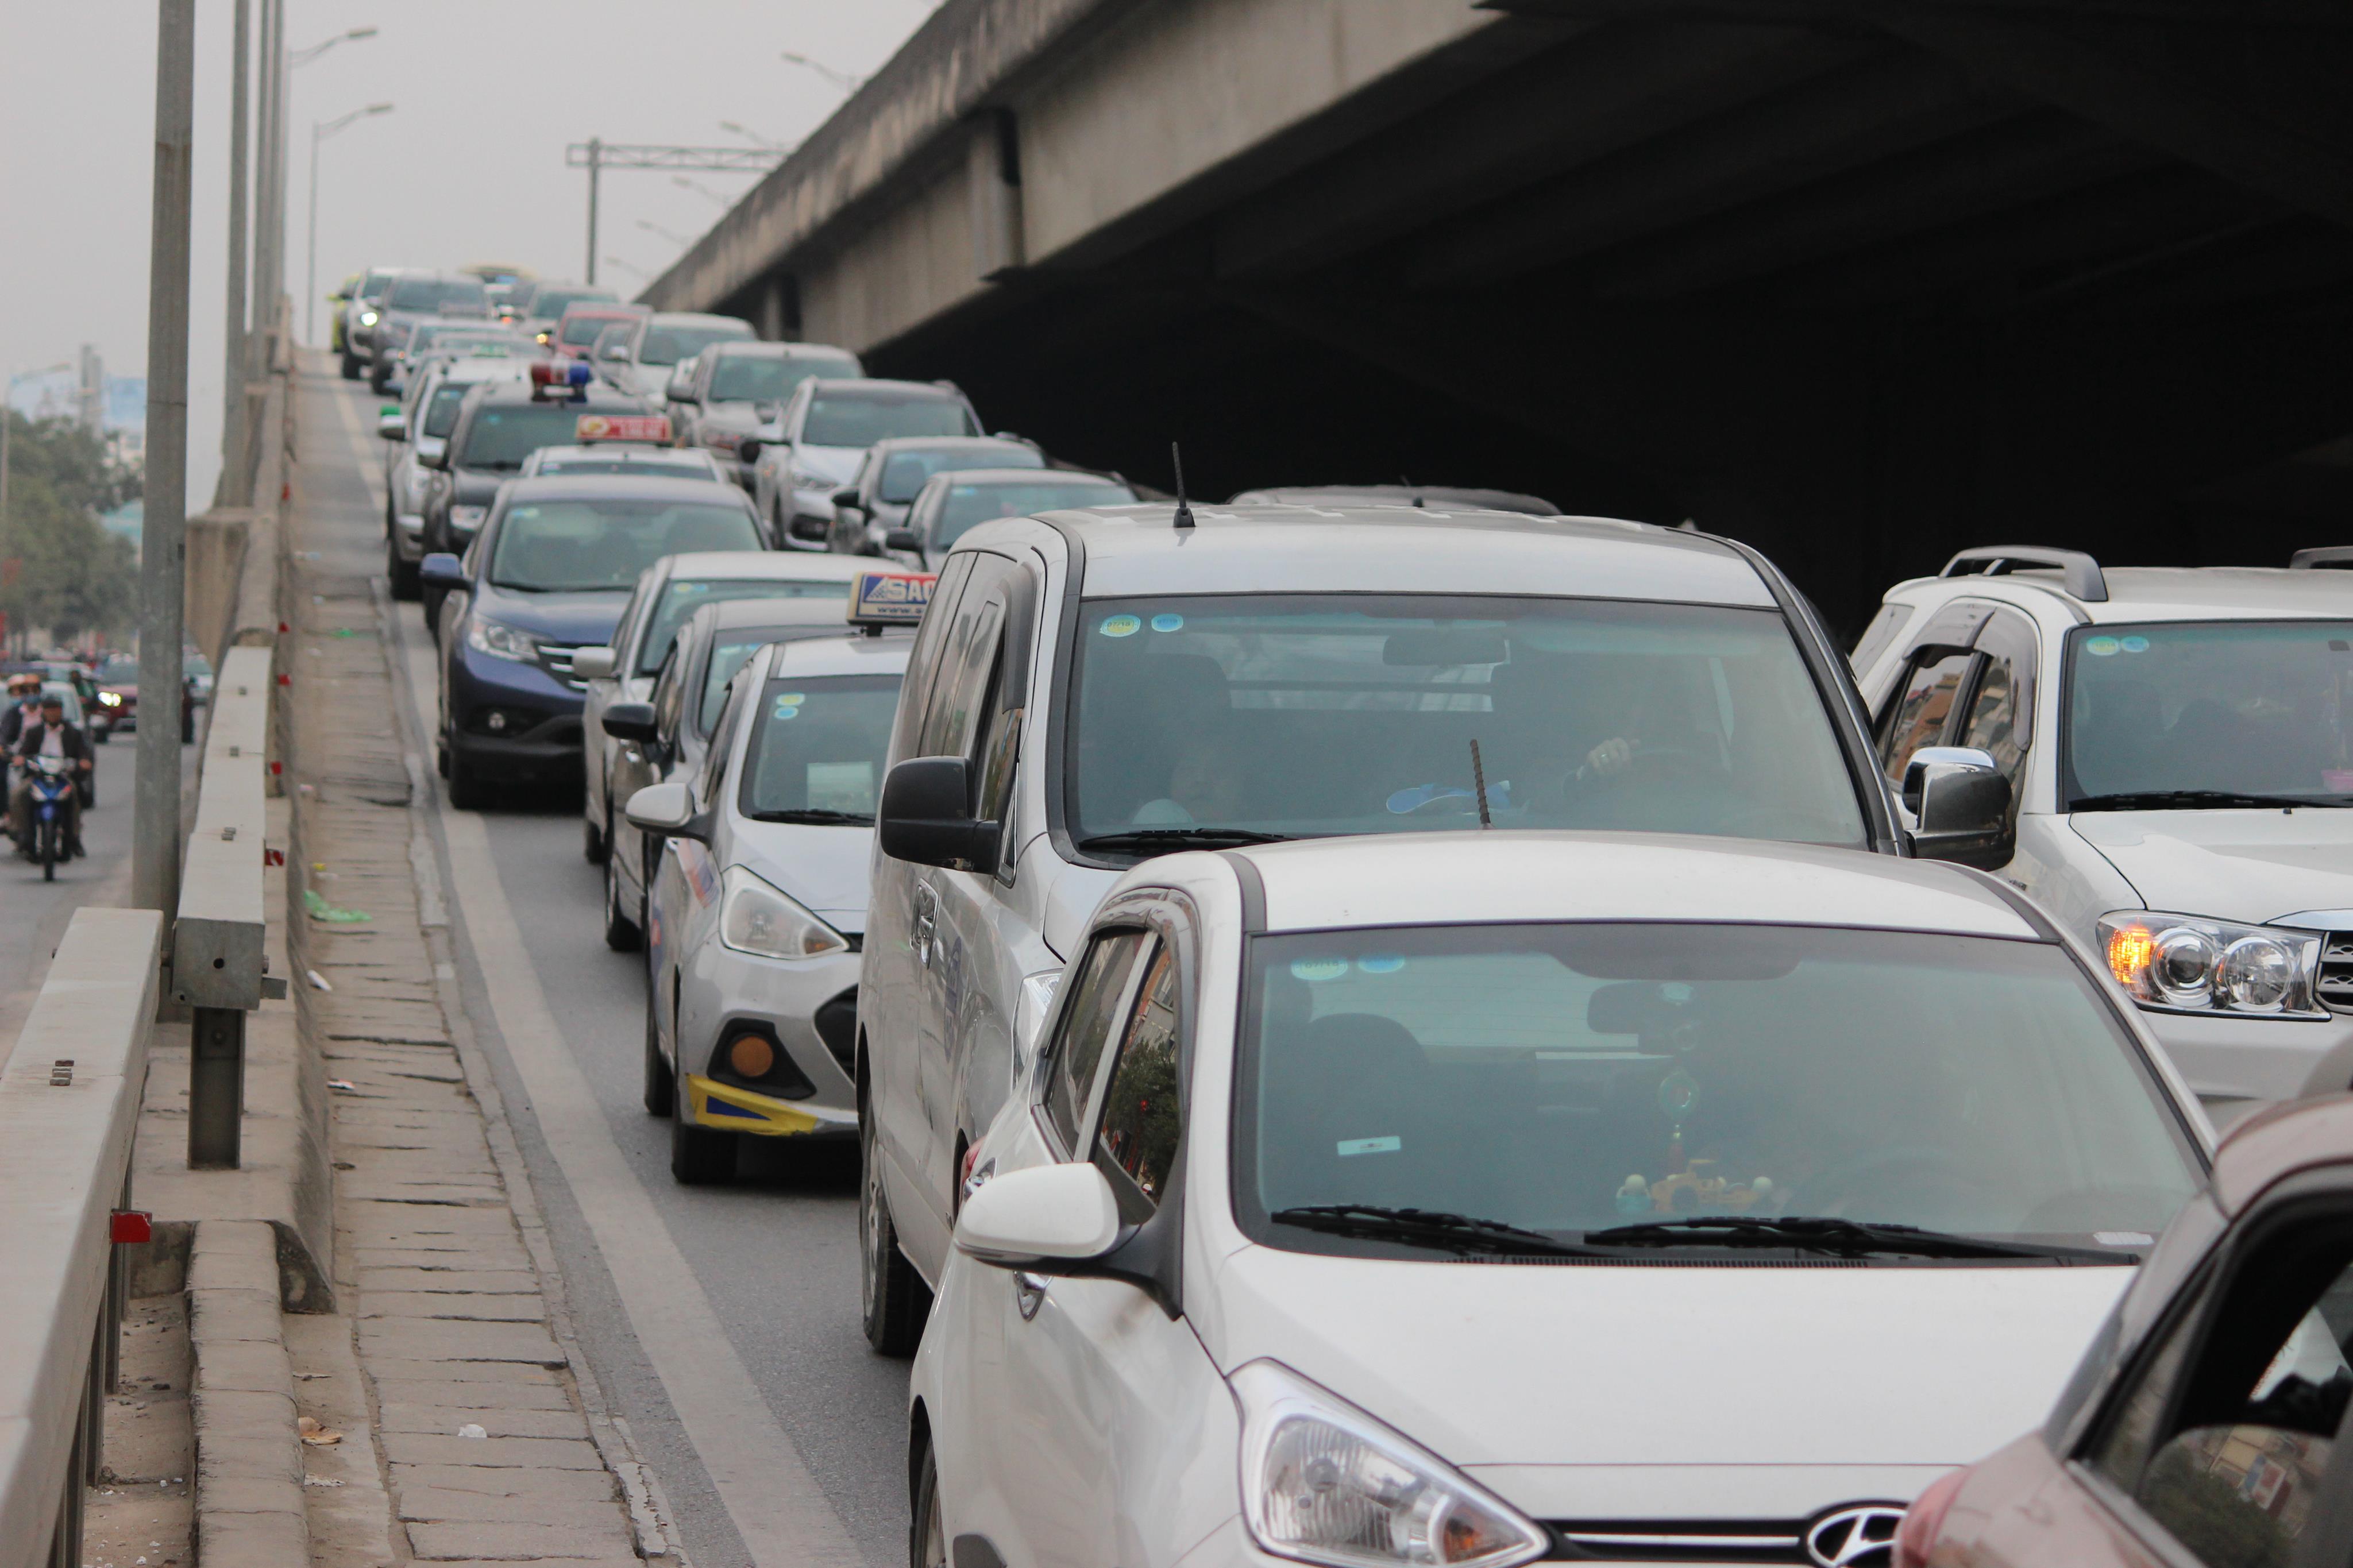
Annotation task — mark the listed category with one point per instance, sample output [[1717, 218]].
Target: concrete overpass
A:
[[1854, 280]]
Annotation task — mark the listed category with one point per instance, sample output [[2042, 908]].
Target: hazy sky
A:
[[470, 165]]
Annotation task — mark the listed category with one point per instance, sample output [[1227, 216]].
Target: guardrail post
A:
[[216, 1089]]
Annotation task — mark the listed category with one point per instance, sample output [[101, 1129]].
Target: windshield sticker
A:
[[2134, 645], [1121, 626], [1348, 1146], [1380, 963], [788, 705], [1317, 970], [1167, 623], [2102, 648]]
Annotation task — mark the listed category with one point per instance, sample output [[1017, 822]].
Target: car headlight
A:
[[110, 699], [810, 481], [469, 518], [367, 317], [1323, 1482], [501, 641], [2188, 963], [756, 918]]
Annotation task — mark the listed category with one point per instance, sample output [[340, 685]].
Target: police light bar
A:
[[568, 380], [646, 429], [880, 599]]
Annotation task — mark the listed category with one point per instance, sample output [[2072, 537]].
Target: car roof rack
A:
[[2321, 555], [2078, 573]]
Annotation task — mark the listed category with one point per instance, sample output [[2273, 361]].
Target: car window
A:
[[1143, 1118], [904, 473], [669, 344], [759, 378], [966, 661], [967, 506], [503, 434], [722, 736], [618, 333], [441, 409], [924, 659], [1875, 638], [816, 754], [435, 294], [683, 596], [1097, 991], [2224, 1438], [731, 653], [587, 543], [1923, 707], [2000, 719], [862, 418], [669, 696]]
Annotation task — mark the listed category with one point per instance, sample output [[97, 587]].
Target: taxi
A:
[[757, 909]]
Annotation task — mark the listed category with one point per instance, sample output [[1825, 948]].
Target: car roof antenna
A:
[[1184, 518]]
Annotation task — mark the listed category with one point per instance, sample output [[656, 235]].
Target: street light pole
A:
[[155, 815], [236, 489], [318, 133], [595, 163]]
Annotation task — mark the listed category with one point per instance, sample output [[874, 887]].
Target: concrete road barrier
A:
[[70, 1102]]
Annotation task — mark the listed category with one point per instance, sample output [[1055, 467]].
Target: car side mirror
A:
[[440, 570], [665, 810], [1037, 1218], [434, 456], [847, 496], [904, 538], [616, 351], [747, 450], [925, 817], [1959, 802], [592, 664], [627, 720], [678, 394], [390, 427]]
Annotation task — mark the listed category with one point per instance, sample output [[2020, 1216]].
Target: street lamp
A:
[[611, 261], [841, 79], [304, 56], [752, 136], [271, 207], [674, 237], [320, 131], [721, 202]]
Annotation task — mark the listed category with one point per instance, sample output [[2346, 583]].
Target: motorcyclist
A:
[[24, 707], [49, 736]]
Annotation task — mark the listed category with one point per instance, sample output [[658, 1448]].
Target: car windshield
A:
[[684, 596], [118, 668], [2218, 708], [731, 653], [442, 335], [435, 294], [441, 410], [1567, 1079], [550, 303], [590, 544], [906, 472], [581, 331], [1299, 715], [968, 505], [504, 435], [682, 468], [669, 344], [759, 378], [816, 747], [373, 287], [862, 418]]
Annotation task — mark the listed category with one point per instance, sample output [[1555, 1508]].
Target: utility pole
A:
[[272, 84], [595, 163], [155, 826], [239, 488], [597, 156]]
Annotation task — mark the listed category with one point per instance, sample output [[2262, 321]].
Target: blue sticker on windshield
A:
[[1381, 963], [788, 705], [2101, 648], [1167, 623], [1121, 626], [2136, 645], [1348, 1146], [1314, 970]]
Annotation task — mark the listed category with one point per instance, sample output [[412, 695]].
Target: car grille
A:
[[2336, 982], [1691, 1540], [558, 662]]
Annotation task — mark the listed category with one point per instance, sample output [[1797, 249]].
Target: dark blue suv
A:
[[548, 575]]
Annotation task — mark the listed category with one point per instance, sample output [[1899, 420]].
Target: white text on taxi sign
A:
[[651, 428], [890, 598]]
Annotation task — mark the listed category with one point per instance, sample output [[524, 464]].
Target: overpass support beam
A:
[[993, 177]]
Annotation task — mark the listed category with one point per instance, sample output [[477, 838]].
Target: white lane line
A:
[[364, 456], [775, 1505]]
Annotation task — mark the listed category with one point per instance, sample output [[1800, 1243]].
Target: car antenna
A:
[[1478, 782], [1184, 518]]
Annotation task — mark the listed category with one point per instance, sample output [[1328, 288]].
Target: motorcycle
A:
[[52, 783]]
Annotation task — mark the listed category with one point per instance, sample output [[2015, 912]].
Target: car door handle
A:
[[926, 918], [1028, 1295]]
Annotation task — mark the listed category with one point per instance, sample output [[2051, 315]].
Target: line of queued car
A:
[[1410, 1027]]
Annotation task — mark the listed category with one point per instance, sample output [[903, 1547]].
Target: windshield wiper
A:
[[2190, 800], [1847, 1238], [1171, 837], [851, 818], [1429, 1227]]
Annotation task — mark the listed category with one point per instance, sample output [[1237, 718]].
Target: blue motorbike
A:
[[52, 784]]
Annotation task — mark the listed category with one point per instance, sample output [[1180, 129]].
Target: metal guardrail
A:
[[219, 966], [69, 1099]]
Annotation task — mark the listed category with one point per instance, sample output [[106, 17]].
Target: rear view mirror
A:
[[592, 664], [1037, 1218], [1960, 805], [616, 351], [747, 450], [925, 817], [627, 720], [904, 538], [661, 808], [389, 424], [847, 496], [441, 569]]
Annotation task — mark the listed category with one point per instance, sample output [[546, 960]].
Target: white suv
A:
[[2180, 747]]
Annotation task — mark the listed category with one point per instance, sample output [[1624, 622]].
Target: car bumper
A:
[[512, 720], [810, 525], [409, 535], [720, 990], [2237, 1066]]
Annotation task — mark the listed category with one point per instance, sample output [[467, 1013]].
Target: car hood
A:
[[838, 464], [2251, 866], [568, 620], [732, 415], [1548, 1372], [826, 868]]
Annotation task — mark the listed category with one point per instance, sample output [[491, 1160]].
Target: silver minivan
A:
[[1090, 689]]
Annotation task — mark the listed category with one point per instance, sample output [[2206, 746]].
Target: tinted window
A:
[[667, 345], [1142, 1123], [1566, 1079], [504, 434], [435, 294], [586, 545], [752, 378], [441, 413], [968, 506], [922, 662], [1088, 1024], [862, 418], [683, 596], [550, 300], [816, 752], [906, 472], [1994, 724], [1922, 711]]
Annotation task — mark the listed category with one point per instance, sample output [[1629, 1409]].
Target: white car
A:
[[759, 900], [1484, 1197], [2180, 748], [820, 439]]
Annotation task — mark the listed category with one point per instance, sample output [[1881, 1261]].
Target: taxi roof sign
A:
[[643, 428], [879, 599]]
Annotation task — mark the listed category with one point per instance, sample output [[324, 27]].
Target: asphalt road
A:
[[806, 1464]]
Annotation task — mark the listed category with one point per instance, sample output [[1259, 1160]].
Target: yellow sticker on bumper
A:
[[723, 1105]]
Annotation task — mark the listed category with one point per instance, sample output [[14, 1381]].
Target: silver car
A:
[[639, 356], [822, 436], [737, 390], [759, 899], [952, 504], [414, 436]]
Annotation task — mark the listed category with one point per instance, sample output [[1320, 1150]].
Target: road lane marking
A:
[[771, 1497]]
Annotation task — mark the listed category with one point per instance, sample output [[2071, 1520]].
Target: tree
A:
[[68, 573]]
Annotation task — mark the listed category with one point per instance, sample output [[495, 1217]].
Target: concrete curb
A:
[[248, 1461]]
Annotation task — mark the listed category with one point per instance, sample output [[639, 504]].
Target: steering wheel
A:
[[1905, 1167]]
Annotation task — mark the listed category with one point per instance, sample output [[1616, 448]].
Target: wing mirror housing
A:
[[925, 816], [1959, 802], [667, 810], [847, 498], [1040, 1217], [389, 424], [747, 450], [904, 538], [435, 455], [616, 351], [441, 569], [627, 721], [592, 664]]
